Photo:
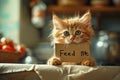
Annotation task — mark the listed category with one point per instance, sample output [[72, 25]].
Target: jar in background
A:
[[38, 14], [105, 48]]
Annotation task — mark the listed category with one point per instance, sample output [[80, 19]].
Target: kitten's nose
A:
[[72, 38]]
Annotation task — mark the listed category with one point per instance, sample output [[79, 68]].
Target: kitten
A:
[[73, 30]]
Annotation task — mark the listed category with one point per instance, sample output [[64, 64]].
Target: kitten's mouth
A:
[[74, 42], [72, 38]]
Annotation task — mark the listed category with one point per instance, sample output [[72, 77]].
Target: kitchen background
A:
[[28, 22]]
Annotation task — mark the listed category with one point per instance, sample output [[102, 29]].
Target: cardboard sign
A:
[[72, 52]]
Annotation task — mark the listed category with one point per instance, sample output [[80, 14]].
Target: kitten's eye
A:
[[78, 32], [66, 33]]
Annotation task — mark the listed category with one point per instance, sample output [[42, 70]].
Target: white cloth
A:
[[66, 72]]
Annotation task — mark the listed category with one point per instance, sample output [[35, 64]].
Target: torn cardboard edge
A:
[[72, 52]]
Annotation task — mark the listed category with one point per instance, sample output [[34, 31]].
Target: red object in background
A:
[[1, 45], [3, 40], [21, 49], [6, 41], [10, 43], [8, 48]]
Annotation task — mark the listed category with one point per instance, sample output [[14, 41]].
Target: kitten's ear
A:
[[86, 18], [57, 22]]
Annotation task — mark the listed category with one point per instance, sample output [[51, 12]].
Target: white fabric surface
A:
[[66, 72]]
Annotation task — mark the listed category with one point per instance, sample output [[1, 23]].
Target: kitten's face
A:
[[72, 30]]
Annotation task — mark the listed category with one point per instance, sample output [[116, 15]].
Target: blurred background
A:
[[28, 22]]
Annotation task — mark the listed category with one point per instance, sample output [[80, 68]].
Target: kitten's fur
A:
[[73, 30]]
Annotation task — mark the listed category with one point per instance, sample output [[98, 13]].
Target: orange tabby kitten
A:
[[73, 30]]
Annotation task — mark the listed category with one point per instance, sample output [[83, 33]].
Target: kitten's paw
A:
[[88, 62], [54, 61]]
